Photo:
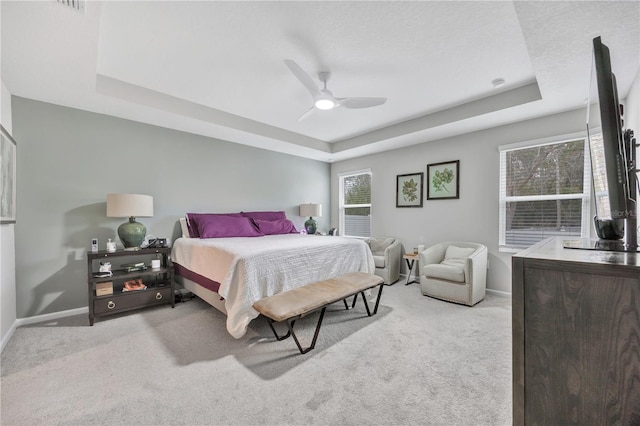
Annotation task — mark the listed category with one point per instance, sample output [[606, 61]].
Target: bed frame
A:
[[209, 296]]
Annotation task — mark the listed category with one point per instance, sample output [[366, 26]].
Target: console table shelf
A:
[[159, 281]]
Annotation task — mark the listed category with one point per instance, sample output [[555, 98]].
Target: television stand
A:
[[575, 336], [602, 245]]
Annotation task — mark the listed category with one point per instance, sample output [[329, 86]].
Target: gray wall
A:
[[70, 159], [473, 217]]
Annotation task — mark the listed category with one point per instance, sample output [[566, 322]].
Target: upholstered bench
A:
[[301, 301]]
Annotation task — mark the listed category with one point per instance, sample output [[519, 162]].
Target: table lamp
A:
[[311, 226], [131, 233]]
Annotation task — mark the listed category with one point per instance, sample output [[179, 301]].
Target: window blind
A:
[[544, 192], [355, 204]]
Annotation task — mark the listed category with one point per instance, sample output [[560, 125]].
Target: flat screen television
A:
[[610, 151]]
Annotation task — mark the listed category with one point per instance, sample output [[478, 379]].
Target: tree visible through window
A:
[[355, 204], [544, 191]]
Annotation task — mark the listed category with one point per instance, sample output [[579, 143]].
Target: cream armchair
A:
[[387, 256], [454, 271]]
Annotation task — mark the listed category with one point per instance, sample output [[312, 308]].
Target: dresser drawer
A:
[[136, 299]]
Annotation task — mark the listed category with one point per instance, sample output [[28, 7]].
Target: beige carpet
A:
[[419, 361]]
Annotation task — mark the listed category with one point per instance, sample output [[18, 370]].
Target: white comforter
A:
[[249, 269]]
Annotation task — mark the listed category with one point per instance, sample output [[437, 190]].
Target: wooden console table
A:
[[576, 336]]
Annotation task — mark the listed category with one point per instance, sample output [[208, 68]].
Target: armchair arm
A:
[[476, 272], [433, 254], [393, 258]]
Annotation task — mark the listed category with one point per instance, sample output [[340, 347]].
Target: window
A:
[[355, 204], [544, 191]]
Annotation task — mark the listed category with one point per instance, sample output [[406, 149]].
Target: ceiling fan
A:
[[323, 99]]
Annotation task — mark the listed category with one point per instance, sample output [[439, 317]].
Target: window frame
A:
[[342, 206], [585, 196]]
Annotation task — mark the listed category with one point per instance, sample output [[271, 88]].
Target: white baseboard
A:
[[8, 336], [41, 318], [51, 316], [403, 278], [499, 293]]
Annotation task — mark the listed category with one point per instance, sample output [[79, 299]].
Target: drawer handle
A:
[[158, 296], [111, 304]]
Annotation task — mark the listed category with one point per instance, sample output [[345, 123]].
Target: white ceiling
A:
[[216, 68]]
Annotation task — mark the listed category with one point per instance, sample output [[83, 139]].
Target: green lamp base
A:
[[311, 226], [132, 234]]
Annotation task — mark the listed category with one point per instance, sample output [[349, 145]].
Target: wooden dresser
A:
[[576, 336]]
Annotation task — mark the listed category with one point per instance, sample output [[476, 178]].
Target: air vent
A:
[[77, 5]]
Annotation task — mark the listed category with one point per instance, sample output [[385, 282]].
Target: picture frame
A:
[[443, 180], [409, 190], [8, 154]]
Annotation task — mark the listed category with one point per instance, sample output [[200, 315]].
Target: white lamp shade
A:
[[311, 210], [129, 205]]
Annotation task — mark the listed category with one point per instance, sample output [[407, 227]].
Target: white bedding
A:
[[251, 268]]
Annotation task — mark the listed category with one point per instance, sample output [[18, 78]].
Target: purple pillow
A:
[[227, 226], [193, 220], [274, 227], [265, 215]]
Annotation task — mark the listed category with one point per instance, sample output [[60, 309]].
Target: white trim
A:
[[41, 318], [498, 292], [502, 203], [547, 197], [552, 140], [8, 336], [354, 172], [52, 316], [509, 249], [403, 279]]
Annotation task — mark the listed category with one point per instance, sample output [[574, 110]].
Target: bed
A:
[[232, 273]]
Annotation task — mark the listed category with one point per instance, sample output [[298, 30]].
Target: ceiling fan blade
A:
[[306, 114], [303, 77], [361, 102]]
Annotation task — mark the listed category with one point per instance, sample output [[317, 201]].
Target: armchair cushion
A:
[[454, 262], [379, 245], [454, 252], [445, 272]]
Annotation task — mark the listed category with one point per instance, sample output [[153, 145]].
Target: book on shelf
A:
[[135, 268], [133, 265], [134, 285]]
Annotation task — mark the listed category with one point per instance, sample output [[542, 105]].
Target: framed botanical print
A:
[[7, 177], [409, 190], [443, 180]]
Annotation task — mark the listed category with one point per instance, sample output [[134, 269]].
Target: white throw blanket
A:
[[251, 268]]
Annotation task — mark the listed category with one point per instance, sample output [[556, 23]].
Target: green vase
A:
[[132, 233], [311, 226]]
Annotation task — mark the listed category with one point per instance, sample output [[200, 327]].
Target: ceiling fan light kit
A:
[[325, 104], [323, 99]]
